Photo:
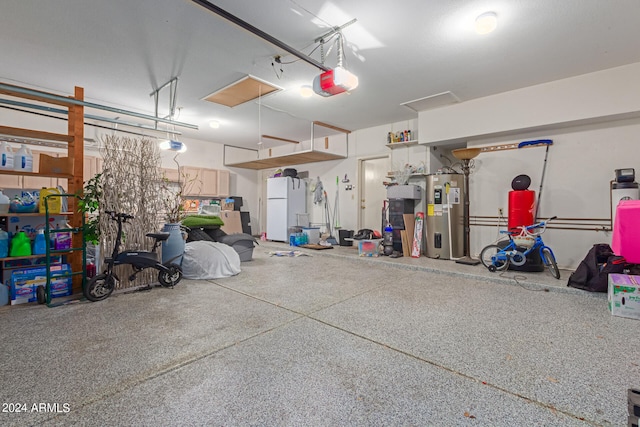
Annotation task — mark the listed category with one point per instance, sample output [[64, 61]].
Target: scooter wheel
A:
[[99, 287], [171, 276], [41, 294]]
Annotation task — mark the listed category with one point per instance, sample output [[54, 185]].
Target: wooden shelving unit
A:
[[75, 149]]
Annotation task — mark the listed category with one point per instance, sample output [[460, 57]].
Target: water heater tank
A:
[[444, 218]]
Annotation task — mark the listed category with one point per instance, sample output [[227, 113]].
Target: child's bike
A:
[[498, 257]]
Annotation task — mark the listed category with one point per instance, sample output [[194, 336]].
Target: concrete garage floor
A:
[[329, 339]]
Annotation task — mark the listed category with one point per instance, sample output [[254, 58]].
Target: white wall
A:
[[589, 97], [590, 141]]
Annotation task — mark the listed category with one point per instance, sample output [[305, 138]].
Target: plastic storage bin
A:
[[368, 247], [242, 243], [313, 235]]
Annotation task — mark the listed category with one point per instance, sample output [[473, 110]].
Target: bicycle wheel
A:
[[550, 262], [487, 254], [99, 287], [172, 277]]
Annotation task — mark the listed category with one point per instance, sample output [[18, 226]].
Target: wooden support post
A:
[[75, 150], [326, 142]]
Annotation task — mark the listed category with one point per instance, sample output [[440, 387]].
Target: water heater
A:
[[445, 215]]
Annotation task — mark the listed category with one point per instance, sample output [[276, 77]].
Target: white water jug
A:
[[5, 202], [23, 159], [6, 156]]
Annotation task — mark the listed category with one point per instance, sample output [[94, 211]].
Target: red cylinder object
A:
[[521, 208]]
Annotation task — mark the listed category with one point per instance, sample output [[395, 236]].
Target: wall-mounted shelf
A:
[[395, 145], [413, 175]]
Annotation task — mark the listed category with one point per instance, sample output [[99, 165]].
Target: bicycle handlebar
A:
[[525, 228], [119, 216]]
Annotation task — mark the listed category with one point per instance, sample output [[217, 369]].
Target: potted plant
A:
[[172, 193], [89, 205]]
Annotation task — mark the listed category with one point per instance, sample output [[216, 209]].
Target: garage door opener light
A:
[[172, 145]]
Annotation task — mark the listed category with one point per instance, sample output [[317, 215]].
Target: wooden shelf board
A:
[[35, 134], [287, 160], [48, 175], [34, 214], [328, 126]]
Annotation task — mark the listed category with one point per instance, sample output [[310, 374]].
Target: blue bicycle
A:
[[521, 243]]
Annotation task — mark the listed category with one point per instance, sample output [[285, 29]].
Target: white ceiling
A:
[[121, 50]]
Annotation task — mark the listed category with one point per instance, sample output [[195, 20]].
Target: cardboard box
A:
[[55, 165], [232, 222], [25, 281], [624, 295], [368, 247], [227, 204], [191, 205]]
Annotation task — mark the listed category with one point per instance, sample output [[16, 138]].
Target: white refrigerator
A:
[[286, 198]]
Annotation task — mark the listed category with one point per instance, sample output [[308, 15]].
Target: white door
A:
[[372, 173], [279, 188], [277, 222]]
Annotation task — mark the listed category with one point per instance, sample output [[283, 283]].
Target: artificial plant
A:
[[89, 205]]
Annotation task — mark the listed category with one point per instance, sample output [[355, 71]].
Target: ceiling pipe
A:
[[243, 24], [67, 100], [86, 116]]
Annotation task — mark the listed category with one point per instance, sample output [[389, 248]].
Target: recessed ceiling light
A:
[[486, 23], [306, 91], [214, 124]]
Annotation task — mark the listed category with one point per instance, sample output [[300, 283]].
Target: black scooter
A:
[[102, 285]]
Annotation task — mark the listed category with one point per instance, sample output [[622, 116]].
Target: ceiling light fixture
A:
[[486, 23], [172, 145], [306, 91], [214, 124]]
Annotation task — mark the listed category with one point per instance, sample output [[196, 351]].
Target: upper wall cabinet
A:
[[200, 182], [91, 167], [223, 183]]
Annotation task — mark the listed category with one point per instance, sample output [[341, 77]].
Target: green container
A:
[[20, 245]]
